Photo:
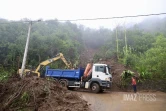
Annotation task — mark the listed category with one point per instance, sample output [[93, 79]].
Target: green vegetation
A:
[[47, 39], [126, 78], [144, 49]]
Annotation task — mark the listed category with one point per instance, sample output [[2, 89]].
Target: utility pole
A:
[[26, 50], [117, 45], [125, 41]]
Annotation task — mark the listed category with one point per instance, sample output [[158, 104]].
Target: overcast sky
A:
[[80, 9]]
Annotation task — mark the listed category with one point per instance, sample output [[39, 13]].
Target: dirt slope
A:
[[87, 55], [146, 85], [116, 70], [38, 94]]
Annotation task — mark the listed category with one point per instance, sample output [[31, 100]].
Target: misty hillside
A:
[[153, 25], [144, 47]]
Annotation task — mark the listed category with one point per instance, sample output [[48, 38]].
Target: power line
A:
[[120, 17], [115, 17], [7, 22]]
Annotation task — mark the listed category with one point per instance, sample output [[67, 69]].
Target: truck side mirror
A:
[[104, 69]]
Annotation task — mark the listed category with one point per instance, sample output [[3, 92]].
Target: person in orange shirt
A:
[[134, 84]]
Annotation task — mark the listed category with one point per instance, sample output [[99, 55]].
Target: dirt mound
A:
[[87, 55], [38, 94], [147, 85], [116, 70]]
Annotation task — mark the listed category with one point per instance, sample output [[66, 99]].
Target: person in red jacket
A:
[[134, 84]]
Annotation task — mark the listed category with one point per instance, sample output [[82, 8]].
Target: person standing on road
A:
[[134, 83]]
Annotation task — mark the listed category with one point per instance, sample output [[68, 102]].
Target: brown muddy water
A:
[[126, 101]]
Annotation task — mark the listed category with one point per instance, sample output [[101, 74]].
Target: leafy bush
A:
[[4, 74], [126, 78]]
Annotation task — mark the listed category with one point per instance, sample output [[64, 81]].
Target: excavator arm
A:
[[46, 62]]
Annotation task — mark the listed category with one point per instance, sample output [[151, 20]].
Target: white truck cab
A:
[[101, 78], [101, 71]]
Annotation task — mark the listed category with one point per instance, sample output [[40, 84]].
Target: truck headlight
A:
[[107, 79]]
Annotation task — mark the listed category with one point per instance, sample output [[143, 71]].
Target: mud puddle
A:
[[126, 101]]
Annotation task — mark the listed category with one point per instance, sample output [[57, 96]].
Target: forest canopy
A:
[[143, 50]]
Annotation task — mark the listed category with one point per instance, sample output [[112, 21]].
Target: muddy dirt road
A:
[[126, 101]]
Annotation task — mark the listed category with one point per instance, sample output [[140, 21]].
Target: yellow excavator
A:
[[46, 62]]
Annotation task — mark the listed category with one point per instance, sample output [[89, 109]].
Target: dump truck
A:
[[96, 77]]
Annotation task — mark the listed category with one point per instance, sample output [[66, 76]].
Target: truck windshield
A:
[[100, 69], [104, 69]]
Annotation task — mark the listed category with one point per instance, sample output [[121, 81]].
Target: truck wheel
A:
[[95, 88], [63, 83]]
